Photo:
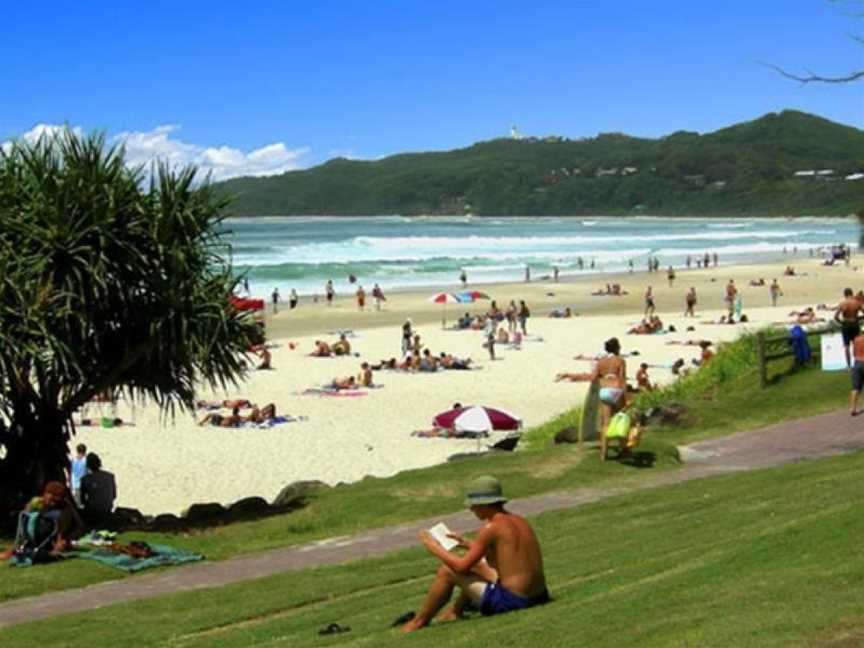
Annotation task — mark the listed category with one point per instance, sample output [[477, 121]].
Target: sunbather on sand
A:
[[240, 403], [428, 362], [392, 363], [706, 356], [322, 350], [561, 314], [449, 361], [652, 324], [688, 342], [220, 420], [260, 415], [262, 352], [339, 384]]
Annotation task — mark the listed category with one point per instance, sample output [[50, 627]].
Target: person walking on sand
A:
[[407, 334], [690, 302], [293, 298], [329, 292], [846, 314], [501, 570], [524, 314], [689, 261], [775, 292], [463, 277], [670, 275], [527, 274], [555, 273], [275, 298], [731, 293], [649, 302], [361, 298]]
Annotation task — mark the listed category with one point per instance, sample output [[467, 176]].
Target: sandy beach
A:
[[163, 465]]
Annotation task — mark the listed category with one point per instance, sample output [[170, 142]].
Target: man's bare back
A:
[[514, 552], [848, 309]]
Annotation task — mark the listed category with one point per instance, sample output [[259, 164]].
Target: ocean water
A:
[[398, 252]]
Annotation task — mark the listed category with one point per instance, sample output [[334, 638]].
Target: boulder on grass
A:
[[296, 493], [249, 505], [203, 512], [567, 435], [125, 517], [165, 522]]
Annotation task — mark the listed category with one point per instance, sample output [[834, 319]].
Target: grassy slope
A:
[[770, 558], [723, 400]]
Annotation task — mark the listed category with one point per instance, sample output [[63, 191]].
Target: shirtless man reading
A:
[[501, 571], [846, 314]]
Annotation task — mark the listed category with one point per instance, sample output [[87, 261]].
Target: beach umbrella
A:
[[477, 418], [471, 295], [444, 298]]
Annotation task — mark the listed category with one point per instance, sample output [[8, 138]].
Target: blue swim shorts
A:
[[497, 599]]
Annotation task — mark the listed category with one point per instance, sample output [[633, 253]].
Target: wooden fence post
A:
[[760, 357]]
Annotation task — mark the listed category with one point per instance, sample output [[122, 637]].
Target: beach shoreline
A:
[[164, 466]]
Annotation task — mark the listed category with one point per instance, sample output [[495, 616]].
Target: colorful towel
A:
[[162, 555]]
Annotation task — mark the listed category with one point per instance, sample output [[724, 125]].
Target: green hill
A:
[[746, 169]]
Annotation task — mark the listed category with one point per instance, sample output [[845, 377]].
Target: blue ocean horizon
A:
[[302, 253]]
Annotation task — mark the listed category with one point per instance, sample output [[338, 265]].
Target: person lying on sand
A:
[[757, 282], [652, 324], [240, 403], [392, 363], [220, 420], [266, 413], [449, 361], [566, 313], [348, 382], [505, 540], [322, 350], [428, 362], [342, 347], [807, 316], [688, 342], [706, 355]]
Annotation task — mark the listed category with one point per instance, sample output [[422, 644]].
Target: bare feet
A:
[[450, 615], [414, 624]]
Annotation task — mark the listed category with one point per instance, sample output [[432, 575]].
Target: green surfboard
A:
[[590, 423]]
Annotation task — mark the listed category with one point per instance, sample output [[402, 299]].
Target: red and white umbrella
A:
[[477, 419], [444, 298]]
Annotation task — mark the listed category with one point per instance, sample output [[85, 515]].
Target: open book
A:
[[439, 532]]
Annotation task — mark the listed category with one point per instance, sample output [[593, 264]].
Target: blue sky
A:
[[295, 83]]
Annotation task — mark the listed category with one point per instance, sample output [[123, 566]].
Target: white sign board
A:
[[833, 356]]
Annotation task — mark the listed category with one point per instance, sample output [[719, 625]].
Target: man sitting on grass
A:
[[501, 571]]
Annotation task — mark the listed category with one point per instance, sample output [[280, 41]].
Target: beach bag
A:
[[37, 531], [619, 426]]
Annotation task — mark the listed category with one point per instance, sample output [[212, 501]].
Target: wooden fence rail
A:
[[775, 346]]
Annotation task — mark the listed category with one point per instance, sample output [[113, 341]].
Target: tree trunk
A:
[[36, 453]]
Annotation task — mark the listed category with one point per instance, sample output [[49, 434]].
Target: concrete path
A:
[[811, 438]]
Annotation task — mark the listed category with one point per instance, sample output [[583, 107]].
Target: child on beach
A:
[[643, 382], [77, 469]]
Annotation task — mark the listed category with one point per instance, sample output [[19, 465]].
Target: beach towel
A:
[[162, 555], [278, 420]]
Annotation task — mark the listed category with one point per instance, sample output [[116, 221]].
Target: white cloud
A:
[[222, 162]]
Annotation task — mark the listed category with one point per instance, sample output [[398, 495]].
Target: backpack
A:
[[34, 540]]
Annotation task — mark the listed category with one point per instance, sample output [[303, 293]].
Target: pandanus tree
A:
[[110, 282]]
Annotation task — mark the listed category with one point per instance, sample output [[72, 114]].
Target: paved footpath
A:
[[815, 437]]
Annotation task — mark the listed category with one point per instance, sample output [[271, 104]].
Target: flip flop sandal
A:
[[405, 618], [333, 628]]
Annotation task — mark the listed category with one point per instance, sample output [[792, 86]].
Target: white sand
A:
[[163, 466]]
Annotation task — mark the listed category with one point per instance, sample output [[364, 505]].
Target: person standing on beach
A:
[[361, 298], [527, 273], [630, 265], [555, 273], [275, 298], [847, 314], [524, 314], [407, 334], [715, 259], [246, 286], [857, 374], [670, 275], [706, 260], [293, 298], [580, 263], [512, 314], [463, 277], [77, 470], [731, 293], [775, 292], [649, 302], [329, 292], [690, 301], [378, 294], [689, 261]]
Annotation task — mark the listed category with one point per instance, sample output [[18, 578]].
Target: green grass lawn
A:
[[769, 558], [720, 402]]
